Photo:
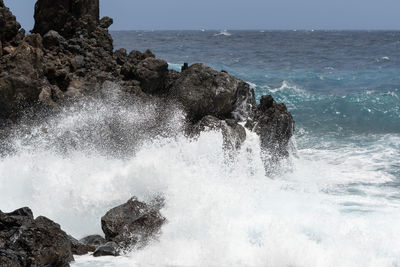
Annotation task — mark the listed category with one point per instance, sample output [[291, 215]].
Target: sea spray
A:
[[219, 213]]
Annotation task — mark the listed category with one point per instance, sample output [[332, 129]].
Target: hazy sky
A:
[[239, 14]]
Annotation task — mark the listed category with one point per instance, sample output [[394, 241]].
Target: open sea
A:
[[335, 202]]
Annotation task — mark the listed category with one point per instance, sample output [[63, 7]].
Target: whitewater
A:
[[334, 202]]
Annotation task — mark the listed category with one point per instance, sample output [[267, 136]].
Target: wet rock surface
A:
[[93, 240], [108, 249], [204, 91], [25, 241], [233, 133], [133, 224], [275, 126]]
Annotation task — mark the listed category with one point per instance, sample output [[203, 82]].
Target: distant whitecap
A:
[[223, 33]]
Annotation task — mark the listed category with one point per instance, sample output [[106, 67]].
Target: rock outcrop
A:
[[25, 241], [132, 224], [66, 16], [204, 91], [70, 55], [9, 27]]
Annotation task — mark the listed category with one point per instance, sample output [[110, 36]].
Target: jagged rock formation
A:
[[25, 241], [70, 55], [66, 16], [9, 27]]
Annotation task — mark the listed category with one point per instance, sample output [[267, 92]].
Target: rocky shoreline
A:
[[68, 56]]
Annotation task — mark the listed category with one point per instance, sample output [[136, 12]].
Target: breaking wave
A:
[[328, 207]]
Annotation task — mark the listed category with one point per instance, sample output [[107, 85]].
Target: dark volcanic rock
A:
[[9, 27], [133, 223], [204, 91], [233, 133], [52, 38], [21, 77], [152, 73], [93, 240], [275, 126], [79, 248], [72, 57], [66, 16], [108, 249], [25, 241]]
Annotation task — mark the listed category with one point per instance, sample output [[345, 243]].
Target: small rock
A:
[[121, 56], [52, 38], [108, 249], [78, 248], [185, 66], [133, 223], [93, 240], [106, 22]]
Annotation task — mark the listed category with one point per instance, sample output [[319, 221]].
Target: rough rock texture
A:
[[275, 126], [204, 91], [93, 240], [9, 27], [108, 249], [21, 76], [66, 16], [71, 56], [151, 73], [25, 241], [233, 133], [79, 248], [133, 224]]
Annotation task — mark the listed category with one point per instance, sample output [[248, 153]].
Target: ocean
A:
[[335, 201]]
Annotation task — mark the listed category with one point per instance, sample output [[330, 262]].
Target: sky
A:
[[239, 14]]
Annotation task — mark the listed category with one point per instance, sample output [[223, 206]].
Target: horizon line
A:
[[260, 29]]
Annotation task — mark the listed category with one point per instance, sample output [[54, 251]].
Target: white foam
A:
[[252, 85], [285, 86], [220, 212], [223, 33]]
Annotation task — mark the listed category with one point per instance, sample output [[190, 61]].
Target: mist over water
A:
[[335, 201]]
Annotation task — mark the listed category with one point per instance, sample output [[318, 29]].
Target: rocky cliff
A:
[[69, 55]]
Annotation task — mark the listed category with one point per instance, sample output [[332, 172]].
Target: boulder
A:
[[233, 133], [203, 91], [79, 248], [133, 224], [108, 249], [25, 241], [151, 73], [66, 16], [52, 38], [93, 240]]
